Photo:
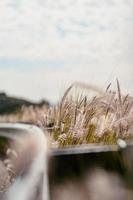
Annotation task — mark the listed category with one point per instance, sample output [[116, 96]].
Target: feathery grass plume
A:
[[26, 114], [82, 119]]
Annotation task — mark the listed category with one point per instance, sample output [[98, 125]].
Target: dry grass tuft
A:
[[79, 119], [26, 115], [85, 114]]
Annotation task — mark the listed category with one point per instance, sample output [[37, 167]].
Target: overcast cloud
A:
[[59, 41]]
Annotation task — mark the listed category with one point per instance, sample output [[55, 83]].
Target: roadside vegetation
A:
[[84, 115], [81, 118]]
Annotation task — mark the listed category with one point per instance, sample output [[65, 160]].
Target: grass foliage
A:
[[84, 115], [79, 119], [26, 114]]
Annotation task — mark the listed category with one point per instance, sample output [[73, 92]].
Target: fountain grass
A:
[[79, 119], [84, 115]]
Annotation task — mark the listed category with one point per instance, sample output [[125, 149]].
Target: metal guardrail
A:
[[37, 176], [48, 166]]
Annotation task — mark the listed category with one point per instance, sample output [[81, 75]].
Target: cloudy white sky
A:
[[47, 44]]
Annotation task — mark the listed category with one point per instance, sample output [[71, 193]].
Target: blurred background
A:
[[45, 45]]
